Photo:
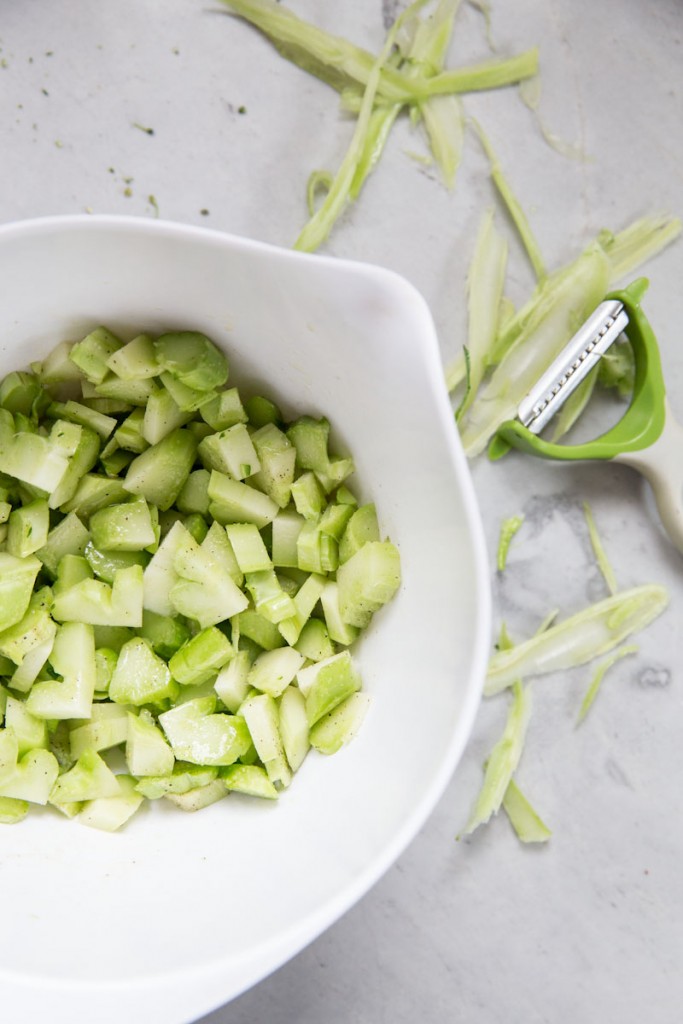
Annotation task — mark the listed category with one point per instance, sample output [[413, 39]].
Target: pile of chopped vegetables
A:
[[182, 574]]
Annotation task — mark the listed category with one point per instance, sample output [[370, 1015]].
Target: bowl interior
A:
[[229, 893]]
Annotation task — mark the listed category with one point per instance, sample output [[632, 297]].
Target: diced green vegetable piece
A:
[[335, 519], [136, 360], [22, 392], [249, 779], [108, 727], [74, 412], [123, 527], [218, 549], [261, 411], [270, 600], [9, 752], [262, 718], [147, 751], [68, 537], [136, 392], [89, 779], [94, 492], [130, 434], [80, 463], [338, 469], [183, 779], [231, 451], [17, 579], [232, 683], [34, 659], [308, 496], [194, 497], [224, 410], [12, 811], [160, 472], [99, 604], [38, 461], [327, 683], [234, 502], [339, 726], [277, 457], [113, 637], [200, 736], [314, 641], [200, 797], [309, 547], [204, 589], [72, 570], [247, 544], [58, 366], [28, 529], [73, 659], [310, 437], [201, 657], [286, 526], [29, 731], [262, 631], [293, 724], [188, 399], [361, 528], [91, 354], [33, 778], [304, 601], [160, 575], [108, 406], [162, 416], [196, 527], [110, 813], [367, 581], [5, 511], [165, 633], [114, 464], [193, 359], [273, 671], [140, 676], [105, 564], [33, 628], [346, 497], [105, 663]]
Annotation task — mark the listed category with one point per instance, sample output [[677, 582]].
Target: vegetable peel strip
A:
[[593, 631]]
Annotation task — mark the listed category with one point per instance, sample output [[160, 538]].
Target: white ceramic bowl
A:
[[179, 913]]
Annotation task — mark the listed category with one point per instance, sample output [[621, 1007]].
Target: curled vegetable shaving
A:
[[590, 633], [503, 760]]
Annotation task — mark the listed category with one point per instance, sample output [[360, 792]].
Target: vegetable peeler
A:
[[647, 437]]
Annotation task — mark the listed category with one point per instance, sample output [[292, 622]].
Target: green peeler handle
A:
[[643, 421], [647, 437]]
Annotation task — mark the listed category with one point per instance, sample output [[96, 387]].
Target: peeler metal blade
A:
[[572, 365]]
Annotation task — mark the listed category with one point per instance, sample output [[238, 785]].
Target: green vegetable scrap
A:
[[526, 822], [508, 529], [181, 576], [408, 73], [503, 760]]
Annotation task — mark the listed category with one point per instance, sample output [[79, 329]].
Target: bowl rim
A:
[[275, 952]]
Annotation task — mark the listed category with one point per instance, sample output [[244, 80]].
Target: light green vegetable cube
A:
[[200, 736], [140, 677]]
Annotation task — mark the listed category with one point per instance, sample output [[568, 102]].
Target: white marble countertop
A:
[[589, 927]]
